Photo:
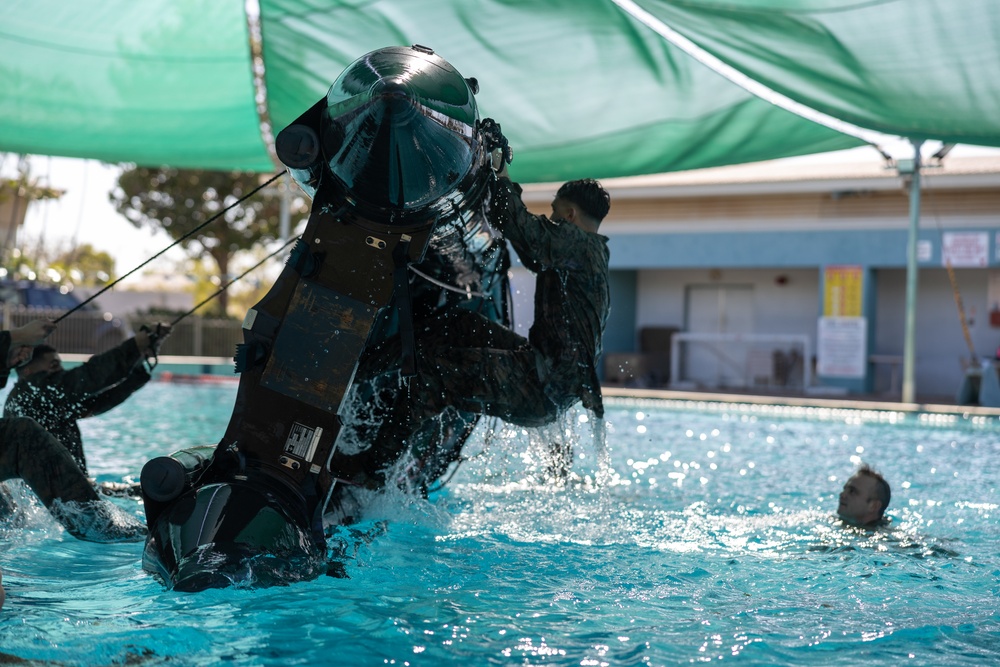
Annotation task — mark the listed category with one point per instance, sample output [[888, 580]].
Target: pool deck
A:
[[197, 370], [929, 404]]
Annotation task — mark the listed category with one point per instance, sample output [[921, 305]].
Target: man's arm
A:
[[104, 371], [4, 353], [539, 243], [100, 372], [117, 394], [33, 333], [11, 342]]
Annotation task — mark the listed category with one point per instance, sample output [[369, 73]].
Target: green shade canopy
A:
[[152, 82], [581, 87], [922, 69]]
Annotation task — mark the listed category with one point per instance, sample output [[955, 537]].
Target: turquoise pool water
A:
[[705, 537]]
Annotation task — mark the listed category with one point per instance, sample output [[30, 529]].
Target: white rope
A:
[[451, 288]]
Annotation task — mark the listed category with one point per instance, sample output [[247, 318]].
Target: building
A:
[[792, 275]]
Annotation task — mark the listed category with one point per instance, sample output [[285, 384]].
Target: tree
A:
[[85, 265], [16, 194], [179, 200]]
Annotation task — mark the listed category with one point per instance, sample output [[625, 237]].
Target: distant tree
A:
[[17, 192], [244, 293], [179, 200], [20, 266], [85, 265]]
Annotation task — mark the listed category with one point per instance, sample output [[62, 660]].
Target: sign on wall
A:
[[925, 250], [842, 293], [965, 249], [842, 347]]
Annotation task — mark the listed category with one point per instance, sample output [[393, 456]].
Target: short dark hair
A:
[[881, 486], [40, 351], [589, 195], [36, 353]]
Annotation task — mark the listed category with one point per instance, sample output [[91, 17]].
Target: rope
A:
[[239, 277], [961, 312], [181, 239], [451, 288], [974, 358]]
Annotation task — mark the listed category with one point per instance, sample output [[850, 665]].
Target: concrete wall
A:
[[658, 300], [774, 241], [940, 343], [791, 307]]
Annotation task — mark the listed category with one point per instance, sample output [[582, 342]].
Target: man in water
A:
[[28, 451], [56, 398], [864, 498]]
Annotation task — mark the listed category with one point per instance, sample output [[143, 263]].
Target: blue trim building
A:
[[748, 249]]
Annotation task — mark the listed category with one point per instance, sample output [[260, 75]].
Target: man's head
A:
[[864, 498], [583, 202], [44, 358]]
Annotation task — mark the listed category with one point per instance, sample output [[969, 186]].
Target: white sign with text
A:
[[965, 249], [842, 347]]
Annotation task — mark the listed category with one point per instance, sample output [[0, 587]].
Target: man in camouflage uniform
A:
[[476, 365], [28, 451], [56, 398]]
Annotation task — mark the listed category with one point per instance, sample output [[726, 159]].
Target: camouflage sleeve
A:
[[4, 351], [117, 394], [101, 371], [539, 243]]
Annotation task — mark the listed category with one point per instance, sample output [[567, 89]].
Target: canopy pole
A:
[[909, 341]]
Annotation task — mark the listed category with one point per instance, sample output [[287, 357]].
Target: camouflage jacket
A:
[[58, 400], [4, 351], [572, 297]]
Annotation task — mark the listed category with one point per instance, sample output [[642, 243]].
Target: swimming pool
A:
[[708, 537]]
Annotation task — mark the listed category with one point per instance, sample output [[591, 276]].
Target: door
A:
[[713, 309]]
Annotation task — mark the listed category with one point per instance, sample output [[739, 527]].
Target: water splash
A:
[[98, 521]]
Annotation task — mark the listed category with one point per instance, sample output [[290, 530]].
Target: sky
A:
[[85, 215]]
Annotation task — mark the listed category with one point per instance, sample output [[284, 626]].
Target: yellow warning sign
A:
[[843, 291]]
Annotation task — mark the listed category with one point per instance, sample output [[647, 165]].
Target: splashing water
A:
[[98, 521], [685, 533]]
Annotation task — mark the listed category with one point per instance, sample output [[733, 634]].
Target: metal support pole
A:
[[910, 337]]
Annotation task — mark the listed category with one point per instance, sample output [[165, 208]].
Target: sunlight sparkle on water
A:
[[615, 560]]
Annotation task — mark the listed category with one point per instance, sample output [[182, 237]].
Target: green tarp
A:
[[923, 69], [581, 87], [152, 82]]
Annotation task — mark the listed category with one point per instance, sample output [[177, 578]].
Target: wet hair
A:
[[588, 195], [882, 489], [37, 353], [40, 351]]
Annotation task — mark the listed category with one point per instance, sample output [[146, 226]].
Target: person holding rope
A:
[[57, 398], [29, 452]]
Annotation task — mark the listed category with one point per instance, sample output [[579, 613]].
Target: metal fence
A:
[[201, 337], [91, 331], [739, 361]]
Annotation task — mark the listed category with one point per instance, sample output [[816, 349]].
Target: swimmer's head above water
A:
[[864, 498]]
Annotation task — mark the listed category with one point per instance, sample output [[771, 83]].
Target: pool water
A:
[[702, 533]]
